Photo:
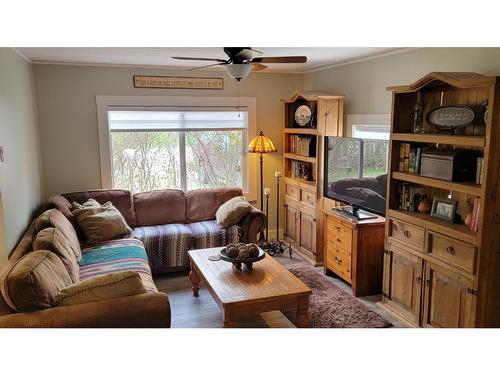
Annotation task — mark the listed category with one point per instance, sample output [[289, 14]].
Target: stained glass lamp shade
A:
[[261, 145]]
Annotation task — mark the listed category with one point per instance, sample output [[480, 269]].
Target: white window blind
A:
[[174, 120], [371, 131]]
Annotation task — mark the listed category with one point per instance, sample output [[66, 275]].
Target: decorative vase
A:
[[424, 206]]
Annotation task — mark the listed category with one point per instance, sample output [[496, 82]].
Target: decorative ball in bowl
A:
[[241, 253]]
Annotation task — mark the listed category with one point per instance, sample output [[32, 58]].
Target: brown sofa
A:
[[168, 222]]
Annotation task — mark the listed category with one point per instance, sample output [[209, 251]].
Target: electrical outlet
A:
[[2, 158]]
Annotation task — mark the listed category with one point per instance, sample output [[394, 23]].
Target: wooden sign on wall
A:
[[159, 82]]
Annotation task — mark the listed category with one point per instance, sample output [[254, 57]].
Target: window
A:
[[177, 147], [373, 132]]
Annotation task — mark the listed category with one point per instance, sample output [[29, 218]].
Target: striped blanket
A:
[[126, 254]]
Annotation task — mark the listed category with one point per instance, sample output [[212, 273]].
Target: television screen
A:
[[356, 172]]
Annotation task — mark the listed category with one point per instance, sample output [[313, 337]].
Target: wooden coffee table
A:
[[269, 287]]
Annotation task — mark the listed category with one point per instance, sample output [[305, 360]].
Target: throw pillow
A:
[[99, 222], [232, 211], [34, 281], [112, 285]]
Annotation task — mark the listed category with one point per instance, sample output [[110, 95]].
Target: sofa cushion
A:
[[101, 288], [159, 207], [205, 234], [127, 254], [34, 281], [100, 222], [166, 245], [64, 206], [121, 199], [53, 218], [232, 211], [202, 204], [54, 240]]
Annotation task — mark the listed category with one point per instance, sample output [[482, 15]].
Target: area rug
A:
[[331, 307]]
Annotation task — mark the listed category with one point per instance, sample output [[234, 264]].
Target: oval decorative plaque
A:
[[450, 117]]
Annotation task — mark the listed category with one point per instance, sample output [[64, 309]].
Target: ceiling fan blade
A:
[[281, 60], [258, 66], [206, 66], [198, 59]]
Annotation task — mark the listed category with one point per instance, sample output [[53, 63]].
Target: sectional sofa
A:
[[166, 224]]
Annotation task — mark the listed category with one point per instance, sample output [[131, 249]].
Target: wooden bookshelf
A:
[[439, 273], [301, 131], [460, 187], [303, 222], [308, 159], [457, 140]]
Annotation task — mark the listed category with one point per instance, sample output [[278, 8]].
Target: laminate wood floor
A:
[[203, 312]]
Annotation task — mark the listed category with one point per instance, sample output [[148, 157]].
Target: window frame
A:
[[106, 103]]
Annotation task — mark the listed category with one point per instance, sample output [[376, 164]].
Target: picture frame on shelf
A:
[[444, 208]]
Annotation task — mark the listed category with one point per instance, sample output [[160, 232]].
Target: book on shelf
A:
[[410, 158], [410, 196], [302, 144], [479, 171], [475, 215]]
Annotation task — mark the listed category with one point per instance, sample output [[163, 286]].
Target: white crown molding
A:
[[160, 67], [377, 56], [22, 55], [214, 69]]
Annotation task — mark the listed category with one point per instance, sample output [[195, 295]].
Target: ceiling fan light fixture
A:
[[238, 71]]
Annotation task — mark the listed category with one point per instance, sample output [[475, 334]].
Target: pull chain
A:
[[238, 97]]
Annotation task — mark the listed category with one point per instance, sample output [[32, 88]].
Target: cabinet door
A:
[[291, 222], [307, 238], [448, 298], [403, 284]]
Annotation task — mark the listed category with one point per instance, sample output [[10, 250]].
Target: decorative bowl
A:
[[237, 262]]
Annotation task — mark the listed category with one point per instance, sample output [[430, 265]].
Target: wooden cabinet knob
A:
[[394, 227], [338, 240], [419, 280], [407, 233], [338, 229], [450, 250], [340, 262]]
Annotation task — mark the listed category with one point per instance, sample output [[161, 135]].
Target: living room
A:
[[191, 185]]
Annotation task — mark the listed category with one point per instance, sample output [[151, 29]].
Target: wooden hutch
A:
[[303, 168], [439, 273]]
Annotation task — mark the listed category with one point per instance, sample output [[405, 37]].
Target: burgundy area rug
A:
[[331, 307]]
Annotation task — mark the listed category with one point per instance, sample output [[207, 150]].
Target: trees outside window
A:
[[174, 155]]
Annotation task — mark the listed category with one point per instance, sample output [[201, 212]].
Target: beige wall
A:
[[20, 182], [364, 83], [66, 97]]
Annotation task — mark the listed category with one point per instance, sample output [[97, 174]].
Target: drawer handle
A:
[[407, 233], [338, 229], [419, 280], [450, 250], [338, 240], [339, 261], [394, 227]]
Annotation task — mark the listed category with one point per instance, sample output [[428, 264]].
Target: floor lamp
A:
[[261, 145]]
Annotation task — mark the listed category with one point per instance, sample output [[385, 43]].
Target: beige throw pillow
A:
[[99, 222], [113, 285], [232, 211]]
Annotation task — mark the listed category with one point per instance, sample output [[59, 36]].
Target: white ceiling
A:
[[317, 57]]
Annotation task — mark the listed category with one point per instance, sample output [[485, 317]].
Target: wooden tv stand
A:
[[354, 250]]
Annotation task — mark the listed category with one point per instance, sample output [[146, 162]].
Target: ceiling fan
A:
[[241, 61]]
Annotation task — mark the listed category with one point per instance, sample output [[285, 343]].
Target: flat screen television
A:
[[356, 174]]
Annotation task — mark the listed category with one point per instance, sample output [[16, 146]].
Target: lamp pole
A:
[[261, 161]]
